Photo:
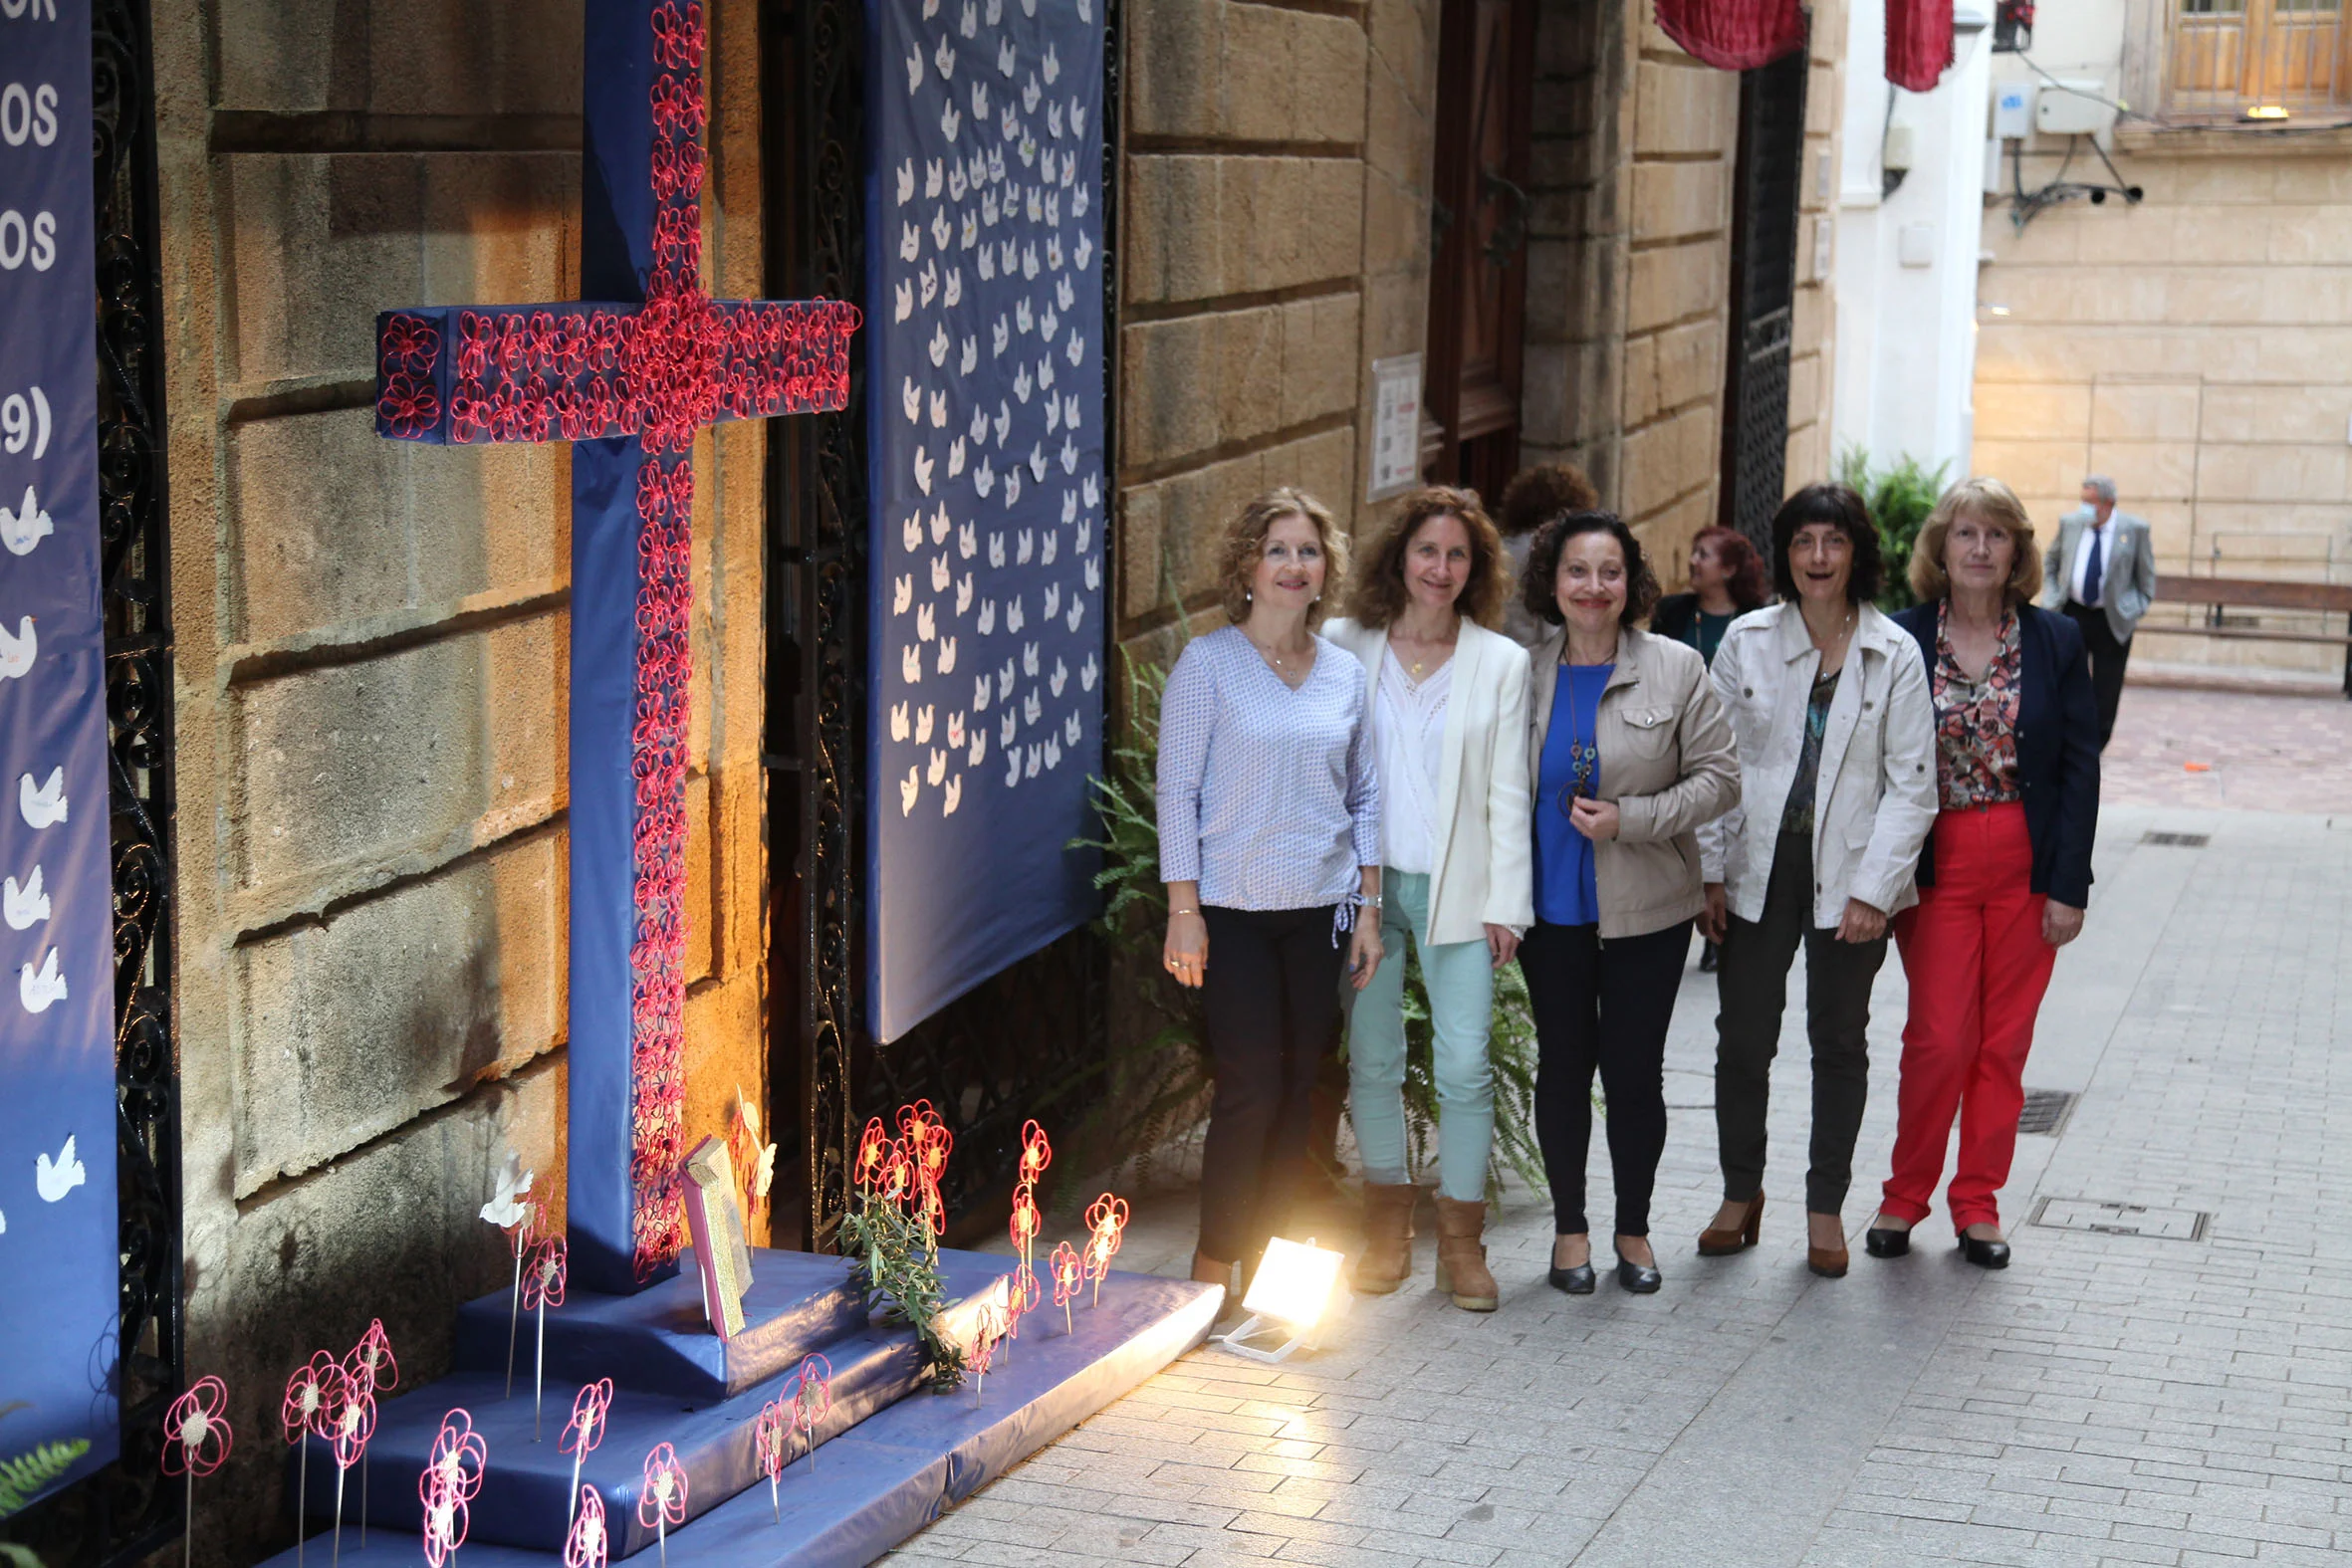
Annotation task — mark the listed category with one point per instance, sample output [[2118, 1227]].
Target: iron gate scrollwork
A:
[[1030, 1039], [122, 1512]]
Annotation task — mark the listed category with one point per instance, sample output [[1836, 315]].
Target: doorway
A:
[[1478, 280], [1765, 195]]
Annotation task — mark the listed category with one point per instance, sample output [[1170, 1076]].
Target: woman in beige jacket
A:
[[1630, 753], [1448, 704]]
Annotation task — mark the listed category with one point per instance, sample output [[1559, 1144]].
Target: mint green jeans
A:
[[1459, 979]]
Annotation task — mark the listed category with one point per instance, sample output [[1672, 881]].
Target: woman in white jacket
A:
[[1448, 700], [1837, 777]]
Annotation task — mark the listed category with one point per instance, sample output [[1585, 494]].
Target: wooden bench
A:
[[2326, 599]]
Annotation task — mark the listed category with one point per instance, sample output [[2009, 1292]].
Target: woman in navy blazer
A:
[[2006, 873]]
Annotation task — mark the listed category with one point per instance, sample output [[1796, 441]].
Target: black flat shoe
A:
[[1887, 1243], [1576, 1281], [1639, 1278], [1984, 1254]]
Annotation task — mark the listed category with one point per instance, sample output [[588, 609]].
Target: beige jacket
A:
[[1666, 760], [1874, 799], [1485, 847]]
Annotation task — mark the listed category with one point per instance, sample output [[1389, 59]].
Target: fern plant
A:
[[23, 1477], [1170, 1072], [1900, 497]]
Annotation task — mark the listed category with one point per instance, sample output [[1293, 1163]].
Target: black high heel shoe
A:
[[1984, 1254], [1640, 1279], [1886, 1243], [1576, 1281]]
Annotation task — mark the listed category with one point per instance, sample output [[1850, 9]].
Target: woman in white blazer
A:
[[1448, 700], [1830, 703]]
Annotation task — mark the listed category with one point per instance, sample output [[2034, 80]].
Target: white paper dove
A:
[[924, 464], [1012, 486], [980, 682], [1077, 616], [937, 775], [914, 72], [955, 458], [898, 725], [1029, 92], [18, 652], [1089, 673], [929, 280], [988, 256], [950, 797], [1037, 757], [26, 527], [954, 287], [1053, 605], [37, 989], [1061, 676], [964, 594], [903, 302], [1038, 460], [979, 752], [910, 663], [910, 398], [1052, 752], [903, 594], [984, 479], [1094, 571], [1025, 545], [1051, 67], [45, 806], [1008, 729], [939, 578], [1015, 618], [909, 788], [1029, 660], [943, 59], [1051, 547], [969, 25], [53, 1179], [968, 541], [906, 182], [951, 121], [23, 906], [969, 361], [910, 241], [1072, 729], [1005, 681], [926, 623], [926, 719], [987, 623], [1004, 421], [1006, 59], [506, 1208], [910, 532], [1011, 765]]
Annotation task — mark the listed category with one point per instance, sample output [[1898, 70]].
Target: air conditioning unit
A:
[[2073, 107]]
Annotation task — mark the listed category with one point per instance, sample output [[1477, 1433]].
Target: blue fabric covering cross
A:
[[629, 383]]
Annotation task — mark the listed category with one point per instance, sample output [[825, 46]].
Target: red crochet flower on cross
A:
[[196, 1438], [661, 1501], [310, 1397]]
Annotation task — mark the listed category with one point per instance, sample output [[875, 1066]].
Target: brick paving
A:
[[2109, 1399], [2229, 750]]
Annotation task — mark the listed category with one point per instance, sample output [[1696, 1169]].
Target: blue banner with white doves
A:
[[58, 1244], [987, 406]]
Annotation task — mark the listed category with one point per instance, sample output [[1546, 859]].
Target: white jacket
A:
[[1875, 793], [1485, 848]]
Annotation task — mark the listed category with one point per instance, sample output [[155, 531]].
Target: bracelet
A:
[[1173, 913]]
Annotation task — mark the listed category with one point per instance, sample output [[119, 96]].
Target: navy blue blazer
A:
[[2057, 749]]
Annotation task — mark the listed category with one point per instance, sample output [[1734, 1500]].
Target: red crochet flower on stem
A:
[[586, 1428], [1036, 1152], [767, 1437], [543, 1275], [810, 1393], [873, 1153], [312, 1395], [1026, 1219], [355, 1425], [662, 1500], [457, 1461], [445, 1517], [196, 1440], [1068, 1271], [587, 1547], [371, 1362]]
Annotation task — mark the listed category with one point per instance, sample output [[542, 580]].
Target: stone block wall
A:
[[1630, 256], [2197, 348], [372, 654]]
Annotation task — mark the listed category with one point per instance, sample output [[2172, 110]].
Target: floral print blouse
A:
[[1976, 721]]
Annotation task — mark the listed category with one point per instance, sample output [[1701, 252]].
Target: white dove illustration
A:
[[979, 752], [952, 797], [1048, 325], [23, 906], [1094, 571], [910, 533], [1072, 729], [970, 233], [968, 541], [1085, 528], [984, 478], [903, 302], [1051, 67], [1005, 681], [1069, 456], [26, 527], [1046, 158], [996, 548], [1063, 295], [1004, 421], [1037, 757], [1025, 545], [1077, 343], [979, 106], [1006, 59], [910, 241], [995, 162], [1029, 92], [1078, 209], [908, 789], [925, 719], [1089, 673], [1024, 384], [1060, 678], [1085, 11], [898, 729], [1047, 549], [970, 359], [910, 396], [979, 429], [54, 1180], [924, 463], [1029, 151], [1069, 509], [986, 625], [957, 185], [906, 182], [971, 21], [1012, 486], [1011, 765], [910, 663], [1054, 119], [1029, 259], [988, 209], [1029, 7], [940, 525], [1054, 253], [943, 228], [939, 576], [1053, 605], [1008, 122], [38, 988], [1037, 459], [1077, 117], [1008, 728], [951, 121], [1046, 371], [1024, 319], [938, 345], [1015, 618], [955, 730], [999, 336], [955, 458], [1093, 496], [929, 280], [1037, 203], [1029, 660], [988, 256], [914, 72], [980, 690], [963, 594], [944, 60], [1085, 254], [926, 623], [1077, 614], [1052, 752], [903, 594], [955, 290], [939, 410], [1069, 410], [18, 652], [1008, 256], [995, 12], [947, 656]]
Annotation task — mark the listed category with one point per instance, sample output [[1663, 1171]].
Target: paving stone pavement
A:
[[2229, 750], [2109, 1399]]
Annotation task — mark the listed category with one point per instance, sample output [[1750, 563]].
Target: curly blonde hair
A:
[[1987, 501], [1245, 543], [1377, 596]]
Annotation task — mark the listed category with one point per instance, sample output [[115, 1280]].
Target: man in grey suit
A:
[[2101, 571]]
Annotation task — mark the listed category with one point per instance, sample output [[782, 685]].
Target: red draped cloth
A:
[[1919, 42], [1734, 35]]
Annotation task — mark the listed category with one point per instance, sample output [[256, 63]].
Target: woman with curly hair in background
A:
[[1533, 498]]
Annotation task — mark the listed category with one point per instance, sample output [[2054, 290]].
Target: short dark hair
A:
[[1838, 504], [1536, 495], [1536, 588]]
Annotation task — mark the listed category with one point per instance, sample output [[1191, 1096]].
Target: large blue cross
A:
[[628, 382]]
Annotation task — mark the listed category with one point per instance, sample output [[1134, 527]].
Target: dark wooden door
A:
[[1478, 284], [1765, 205]]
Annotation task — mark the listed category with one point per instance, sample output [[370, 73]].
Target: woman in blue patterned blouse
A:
[[1270, 842]]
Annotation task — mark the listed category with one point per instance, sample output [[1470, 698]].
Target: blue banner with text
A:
[[987, 409], [58, 1244]]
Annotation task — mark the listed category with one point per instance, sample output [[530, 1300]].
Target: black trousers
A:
[[1751, 981], [2108, 660], [1272, 995], [1603, 1005]]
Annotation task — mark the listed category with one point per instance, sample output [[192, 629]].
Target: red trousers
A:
[[1974, 954]]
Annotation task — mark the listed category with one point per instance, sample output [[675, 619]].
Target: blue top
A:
[[2057, 750], [1565, 894], [1267, 795]]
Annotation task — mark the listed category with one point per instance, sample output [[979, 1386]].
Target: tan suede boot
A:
[[1387, 1259], [1462, 1257]]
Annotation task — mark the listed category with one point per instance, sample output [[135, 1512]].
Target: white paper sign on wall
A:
[[1396, 427]]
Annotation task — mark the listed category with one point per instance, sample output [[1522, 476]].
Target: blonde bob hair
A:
[[1245, 543], [1987, 501]]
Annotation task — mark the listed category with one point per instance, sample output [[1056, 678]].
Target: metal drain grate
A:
[[2110, 1219], [2045, 1111], [2176, 840]]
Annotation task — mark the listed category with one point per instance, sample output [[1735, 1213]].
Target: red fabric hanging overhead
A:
[[1919, 42], [1738, 35]]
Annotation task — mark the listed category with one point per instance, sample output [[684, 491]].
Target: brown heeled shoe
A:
[[1827, 1261], [1714, 1243]]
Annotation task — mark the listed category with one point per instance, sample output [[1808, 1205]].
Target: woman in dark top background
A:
[[2006, 874], [1728, 580], [1533, 498]]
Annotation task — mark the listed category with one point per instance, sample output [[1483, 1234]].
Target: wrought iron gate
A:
[[1021, 1044], [123, 1513], [1763, 295]]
